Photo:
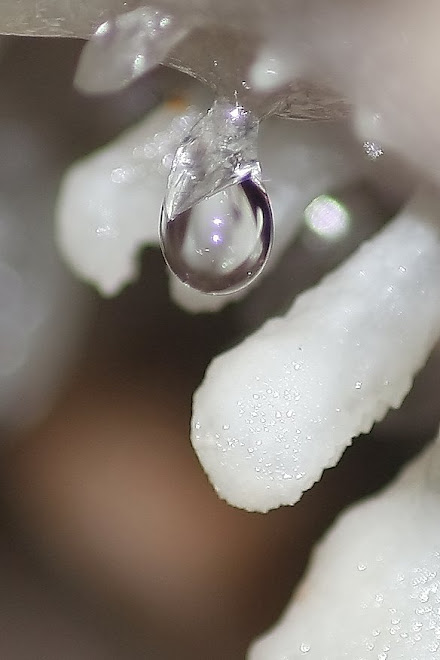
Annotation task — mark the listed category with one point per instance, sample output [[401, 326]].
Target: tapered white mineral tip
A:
[[278, 409], [373, 588], [109, 203]]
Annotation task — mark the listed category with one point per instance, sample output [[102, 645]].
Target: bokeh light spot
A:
[[327, 217]]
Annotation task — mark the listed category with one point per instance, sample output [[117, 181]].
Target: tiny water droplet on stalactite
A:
[[221, 244]]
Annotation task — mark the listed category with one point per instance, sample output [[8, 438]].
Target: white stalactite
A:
[[278, 409]]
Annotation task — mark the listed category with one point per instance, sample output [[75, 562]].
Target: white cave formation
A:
[[275, 411]]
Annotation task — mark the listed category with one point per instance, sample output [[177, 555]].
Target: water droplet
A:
[[304, 648], [222, 243]]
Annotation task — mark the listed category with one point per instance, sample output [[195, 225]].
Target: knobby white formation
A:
[[373, 589], [276, 410], [110, 204]]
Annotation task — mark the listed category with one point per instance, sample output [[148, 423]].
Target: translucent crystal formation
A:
[[126, 47], [220, 150]]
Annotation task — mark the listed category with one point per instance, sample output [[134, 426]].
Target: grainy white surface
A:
[[373, 588], [275, 411]]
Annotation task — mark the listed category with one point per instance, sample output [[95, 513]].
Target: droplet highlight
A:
[[221, 244]]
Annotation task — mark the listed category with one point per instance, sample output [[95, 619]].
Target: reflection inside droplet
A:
[[222, 243]]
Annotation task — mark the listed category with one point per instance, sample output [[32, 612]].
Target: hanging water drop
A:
[[220, 244], [216, 222]]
